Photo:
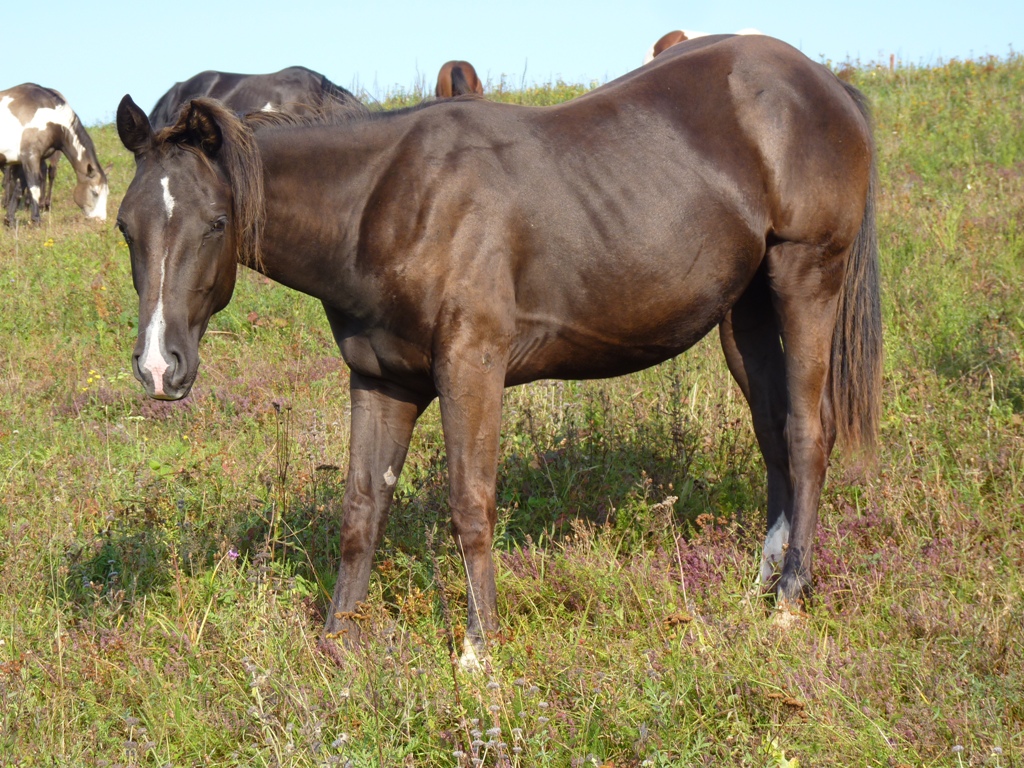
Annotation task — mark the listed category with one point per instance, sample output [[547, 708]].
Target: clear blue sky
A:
[[94, 53]]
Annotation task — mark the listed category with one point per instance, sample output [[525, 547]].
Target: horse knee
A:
[[358, 528], [473, 525], [473, 537]]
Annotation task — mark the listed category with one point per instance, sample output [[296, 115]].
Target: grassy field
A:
[[164, 568]]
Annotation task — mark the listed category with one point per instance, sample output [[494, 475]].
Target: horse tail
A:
[[856, 365]]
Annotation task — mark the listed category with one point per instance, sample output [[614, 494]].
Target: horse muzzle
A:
[[164, 377]]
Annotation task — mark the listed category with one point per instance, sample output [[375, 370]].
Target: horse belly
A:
[[626, 330]]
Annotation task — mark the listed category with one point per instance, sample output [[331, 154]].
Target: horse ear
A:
[[133, 126], [202, 129]]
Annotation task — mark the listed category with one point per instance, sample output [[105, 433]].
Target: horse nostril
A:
[[175, 368], [136, 368]]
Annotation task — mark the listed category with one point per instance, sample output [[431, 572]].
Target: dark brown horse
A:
[[465, 246], [291, 89], [457, 78]]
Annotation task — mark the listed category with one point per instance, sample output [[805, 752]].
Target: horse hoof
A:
[[788, 615]]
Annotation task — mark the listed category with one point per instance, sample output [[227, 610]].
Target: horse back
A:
[[660, 191], [809, 134], [249, 93], [18, 108]]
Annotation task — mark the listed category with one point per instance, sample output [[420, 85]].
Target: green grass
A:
[[132, 634]]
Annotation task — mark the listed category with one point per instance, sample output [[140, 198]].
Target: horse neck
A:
[[345, 166], [78, 148]]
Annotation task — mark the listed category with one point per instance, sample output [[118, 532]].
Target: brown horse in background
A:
[[462, 247], [665, 42], [457, 78], [669, 39]]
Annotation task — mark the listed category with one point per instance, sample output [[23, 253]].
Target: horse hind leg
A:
[[752, 343], [805, 282], [11, 193]]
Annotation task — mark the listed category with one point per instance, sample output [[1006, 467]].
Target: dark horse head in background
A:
[[293, 88], [465, 246], [457, 78]]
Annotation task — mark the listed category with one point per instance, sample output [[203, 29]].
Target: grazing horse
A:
[[457, 78], [460, 247], [291, 89], [669, 39], [35, 122]]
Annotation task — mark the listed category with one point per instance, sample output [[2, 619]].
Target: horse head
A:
[[186, 227], [91, 192]]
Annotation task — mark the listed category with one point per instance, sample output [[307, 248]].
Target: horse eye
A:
[[219, 224]]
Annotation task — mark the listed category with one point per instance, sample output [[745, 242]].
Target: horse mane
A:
[[330, 112], [239, 158], [86, 140], [331, 91], [342, 113]]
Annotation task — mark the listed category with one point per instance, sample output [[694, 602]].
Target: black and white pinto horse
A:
[[294, 89], [36, 122]]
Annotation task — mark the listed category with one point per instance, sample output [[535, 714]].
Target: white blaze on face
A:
[[168, 197], [152, 359], [99, 210], [775, 544], [268, 107]]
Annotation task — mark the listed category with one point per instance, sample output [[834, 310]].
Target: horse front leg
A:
[[48, 172], [470, 384], [31, 167], [383, 417]]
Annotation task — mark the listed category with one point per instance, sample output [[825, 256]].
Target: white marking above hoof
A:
[[470, 660], [775, 544]]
